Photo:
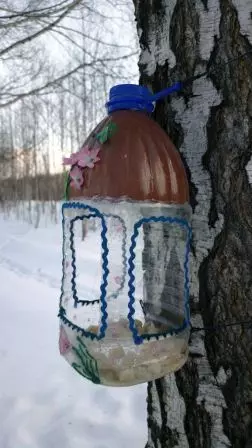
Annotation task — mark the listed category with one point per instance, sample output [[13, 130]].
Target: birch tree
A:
[[208, 403]]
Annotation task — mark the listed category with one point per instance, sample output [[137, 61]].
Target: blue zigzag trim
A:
[[94, 213], [66, 321], [103, 287], [88, 302], [63, 258], [115, 294], [124, 260], [73, 251], [137, 338]]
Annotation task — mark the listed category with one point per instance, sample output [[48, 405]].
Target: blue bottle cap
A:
[[129, 97]]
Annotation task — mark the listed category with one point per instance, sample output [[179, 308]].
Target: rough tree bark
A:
[[208, 403]]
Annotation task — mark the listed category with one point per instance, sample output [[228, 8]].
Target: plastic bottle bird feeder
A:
[[132, 326]]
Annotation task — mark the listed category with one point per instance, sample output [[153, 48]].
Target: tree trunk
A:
[[208, 403]]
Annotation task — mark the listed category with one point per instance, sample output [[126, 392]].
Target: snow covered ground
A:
[[44, 403]]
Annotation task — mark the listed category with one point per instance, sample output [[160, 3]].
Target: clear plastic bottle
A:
[[130, 324], [153, 341]]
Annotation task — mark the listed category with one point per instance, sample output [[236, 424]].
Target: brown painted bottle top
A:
[[138, 162]]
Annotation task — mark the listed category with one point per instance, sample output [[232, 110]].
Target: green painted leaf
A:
[[87, 365], [112, 128], [103, 135], [107, 132]]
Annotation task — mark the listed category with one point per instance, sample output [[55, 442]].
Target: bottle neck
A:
[[135, 97], [129, 97]]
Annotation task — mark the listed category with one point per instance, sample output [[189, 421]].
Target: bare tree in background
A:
[[56, 57], [24, 31], [208, 403]]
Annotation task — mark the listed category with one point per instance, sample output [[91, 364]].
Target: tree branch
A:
[[41, 31], [94, 39], [59, 80], [44, 11]]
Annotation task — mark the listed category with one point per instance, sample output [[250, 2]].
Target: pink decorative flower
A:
[[64, 343], [77, 177], [85, 157], [72, 160], [88, 157]]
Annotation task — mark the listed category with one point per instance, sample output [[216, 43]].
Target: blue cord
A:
[[174, 88], [183, 223]]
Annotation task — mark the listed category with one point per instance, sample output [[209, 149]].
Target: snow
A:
[[44, 403]]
